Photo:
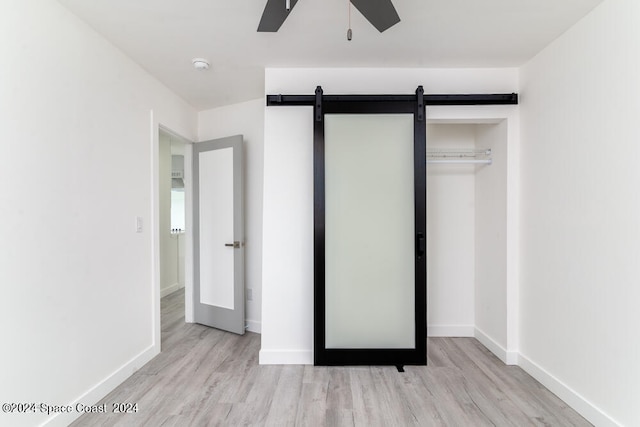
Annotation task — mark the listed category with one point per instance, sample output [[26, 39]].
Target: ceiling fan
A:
[[380, 13]]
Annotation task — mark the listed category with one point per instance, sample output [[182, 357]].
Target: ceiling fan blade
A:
[[380, 13], [274, 15]]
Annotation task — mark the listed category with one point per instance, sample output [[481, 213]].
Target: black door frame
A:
[[370, 356], [376, 104]]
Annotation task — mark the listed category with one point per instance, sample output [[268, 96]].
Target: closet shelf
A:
[[442, 156]]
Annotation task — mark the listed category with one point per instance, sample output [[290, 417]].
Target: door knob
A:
[[235, 245]]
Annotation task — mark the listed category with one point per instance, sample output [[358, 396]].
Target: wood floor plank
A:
[[312, 407], [339, 403], [260, 397], [361, 385], [419, 405], [286, 397], [207, 377]]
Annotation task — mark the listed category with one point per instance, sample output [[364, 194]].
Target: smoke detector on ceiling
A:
[[200, 63]]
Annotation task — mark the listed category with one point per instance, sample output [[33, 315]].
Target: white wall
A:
[[77, 124], [246, 118], [450, 235], [287, 305], [491, 235], [580, 215]]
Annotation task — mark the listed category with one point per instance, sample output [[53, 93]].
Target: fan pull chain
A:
[[349, 32]]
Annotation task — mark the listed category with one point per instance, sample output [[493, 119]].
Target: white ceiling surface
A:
[[164, 35]]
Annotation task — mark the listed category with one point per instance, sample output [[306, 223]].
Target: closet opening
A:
[[467, 229]]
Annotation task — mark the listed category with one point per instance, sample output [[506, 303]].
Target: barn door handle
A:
[[420, 244]]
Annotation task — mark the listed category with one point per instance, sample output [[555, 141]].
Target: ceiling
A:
[[164, 35]]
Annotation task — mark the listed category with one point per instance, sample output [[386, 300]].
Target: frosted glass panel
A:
[[216, 228], [369, 231]]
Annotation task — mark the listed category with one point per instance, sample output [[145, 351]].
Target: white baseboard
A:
[[508, 357], [254, 326], [104, 387], [170, 289], [450, 331], [286, 357], [585, 408]]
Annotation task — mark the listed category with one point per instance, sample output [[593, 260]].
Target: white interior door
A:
[[219, 234]]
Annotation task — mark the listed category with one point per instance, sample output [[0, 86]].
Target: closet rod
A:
[[458, 153], [461, 161]]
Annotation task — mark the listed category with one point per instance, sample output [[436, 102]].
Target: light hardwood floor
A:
[[208, 377]]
